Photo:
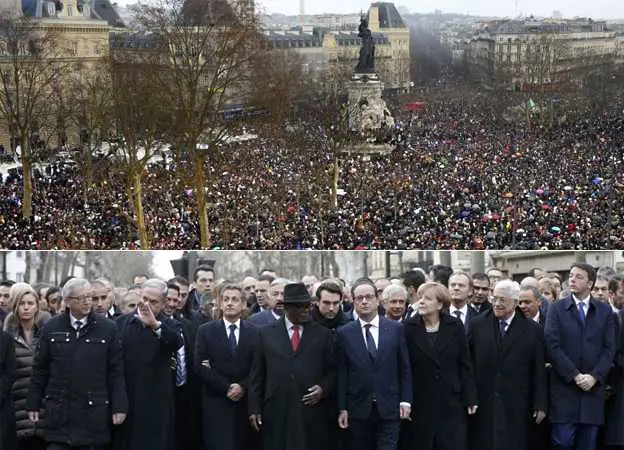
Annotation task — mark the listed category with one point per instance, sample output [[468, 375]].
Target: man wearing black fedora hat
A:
[[292, 374]]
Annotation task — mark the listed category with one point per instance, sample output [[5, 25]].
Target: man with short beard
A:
[[480, 293]]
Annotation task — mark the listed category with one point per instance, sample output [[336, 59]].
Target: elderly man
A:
[[274, 304], [508, 359], [580, 335], [150, 342], [79, 372], [394, 298]]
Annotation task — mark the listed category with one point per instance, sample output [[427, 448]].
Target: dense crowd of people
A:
[[276, 364], [462, 176]]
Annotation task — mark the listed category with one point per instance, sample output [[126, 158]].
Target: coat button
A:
[[103, 341], [87, 341], [52, 340], [90, 402], [67, 340]]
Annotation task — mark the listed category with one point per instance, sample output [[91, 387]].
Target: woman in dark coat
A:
[[442, 376], [7, 376], [23, 324]]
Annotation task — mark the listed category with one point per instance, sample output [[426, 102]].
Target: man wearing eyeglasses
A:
[[78, 375], [374, 374]]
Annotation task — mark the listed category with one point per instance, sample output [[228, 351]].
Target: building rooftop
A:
[[389, 16]]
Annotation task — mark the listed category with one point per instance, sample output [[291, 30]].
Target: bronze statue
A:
[[367, 50]]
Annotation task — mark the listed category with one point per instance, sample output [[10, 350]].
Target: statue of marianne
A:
[[367, 50]]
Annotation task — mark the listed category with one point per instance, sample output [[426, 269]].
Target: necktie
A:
[[295, 338], [181, 366], [78, 326], [370, 342], [581, 309], [503, 327], [409, 312], [458, 314], [232, 338]]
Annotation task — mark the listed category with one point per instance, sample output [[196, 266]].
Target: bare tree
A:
[[139, 120], [91, 112], [209, 48], [29, 69]]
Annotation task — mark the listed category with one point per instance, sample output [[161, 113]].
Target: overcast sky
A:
[[608, 9]]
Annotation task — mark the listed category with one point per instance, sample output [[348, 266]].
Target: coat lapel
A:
[[384, 331], [422, 341], [358, 341], [445, 334], [516, 328]]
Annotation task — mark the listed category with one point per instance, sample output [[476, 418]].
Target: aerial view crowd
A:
[[462, 175], [444, 360]]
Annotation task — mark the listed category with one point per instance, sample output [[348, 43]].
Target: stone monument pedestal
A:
[[367, 110]]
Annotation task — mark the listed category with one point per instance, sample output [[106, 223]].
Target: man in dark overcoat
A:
[[508, 357], [580, 336], [292, 374], [150, 341], [78, 375], [223, 357]]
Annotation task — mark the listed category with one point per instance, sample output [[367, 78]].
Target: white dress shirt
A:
[[277, 316], [227, 324], [585, 302], [508, 321], [289, 328], [73, 321], [374, 329], [464, 312], [537, 317]]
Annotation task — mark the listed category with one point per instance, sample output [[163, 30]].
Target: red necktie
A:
[[296, 337]]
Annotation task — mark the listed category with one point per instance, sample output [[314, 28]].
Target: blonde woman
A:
[[24, 324], [442, 376]]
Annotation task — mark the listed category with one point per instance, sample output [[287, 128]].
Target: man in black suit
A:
[[529, 304], [508, 358], [374, 375], [292, 374], [149, 340], [461, 289], [223, 357], [480, 293], [274, 304]]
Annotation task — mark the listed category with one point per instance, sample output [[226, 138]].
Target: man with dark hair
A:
[[262, 293], [580, 336], [616, 293], [224, 354], [204, 280], [440, 274], [183, 287], [53, 299], [480, 293], [374, 374], [412, 280], [327, 311], [5, 298]]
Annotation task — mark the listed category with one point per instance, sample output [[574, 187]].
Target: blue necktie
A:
[[581, 309], [370, 342], [503, 327], [232, 338]]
